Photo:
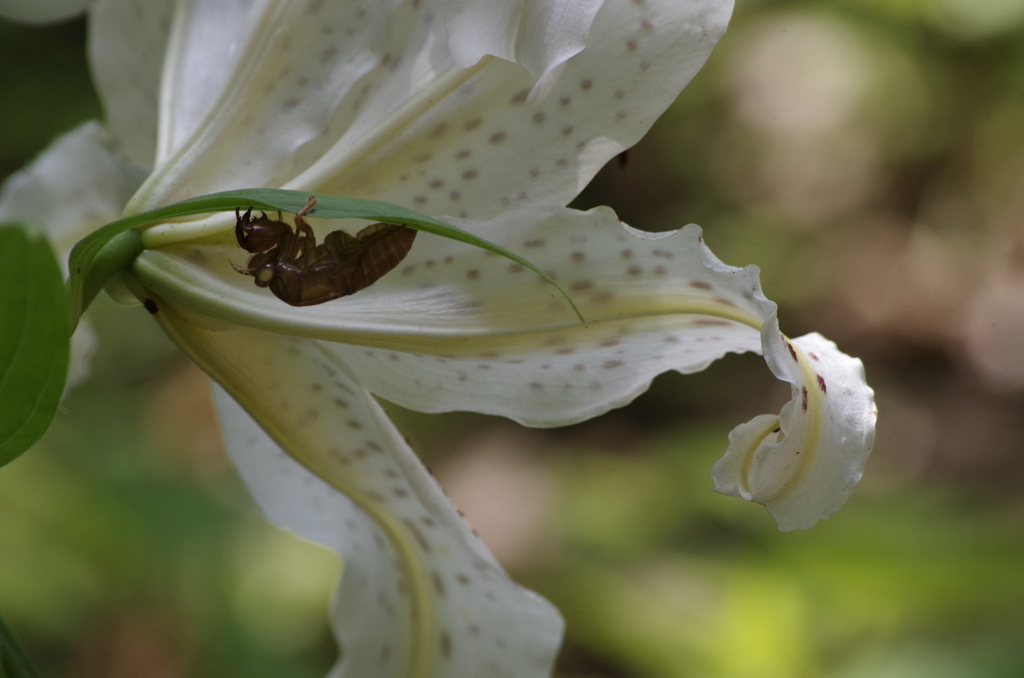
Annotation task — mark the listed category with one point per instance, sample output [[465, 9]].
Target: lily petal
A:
[[386, 113], [538, 34], [127, 44], [803, 464], [456, 328], [73, 187], [420, 595], [479, 148], [203, 47]]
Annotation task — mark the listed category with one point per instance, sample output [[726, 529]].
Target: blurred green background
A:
[[868, 155]]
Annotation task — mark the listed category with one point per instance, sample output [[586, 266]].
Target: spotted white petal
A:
[[420, 596], [457, 328], [477, 147], [480, 148], [366, 100], [538, 34], [803, 464]]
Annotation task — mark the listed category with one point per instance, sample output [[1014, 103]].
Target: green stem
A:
[[117, 255]]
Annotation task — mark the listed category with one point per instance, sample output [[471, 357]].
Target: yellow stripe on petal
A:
[[421, 597]]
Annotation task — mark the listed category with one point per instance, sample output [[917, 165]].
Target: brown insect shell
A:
[[342, 265]]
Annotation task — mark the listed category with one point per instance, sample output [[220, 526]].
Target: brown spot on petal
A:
[[424, 544], [805, 398], [792, 352], [821, 384]]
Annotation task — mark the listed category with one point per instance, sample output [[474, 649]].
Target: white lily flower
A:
[[459, 110]]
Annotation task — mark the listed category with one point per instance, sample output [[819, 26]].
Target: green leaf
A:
[[34, 341], [14, 662], [83, 261]]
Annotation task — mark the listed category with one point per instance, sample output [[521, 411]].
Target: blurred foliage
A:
[[869, 156]]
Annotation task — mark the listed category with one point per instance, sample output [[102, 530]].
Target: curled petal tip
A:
[[803, 464]]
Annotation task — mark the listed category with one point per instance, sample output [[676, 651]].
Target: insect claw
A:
[[241, 221]]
